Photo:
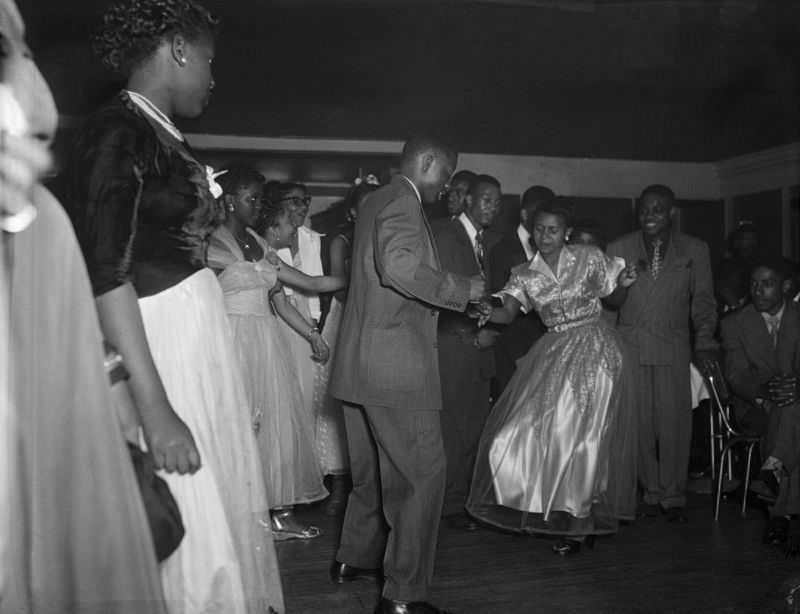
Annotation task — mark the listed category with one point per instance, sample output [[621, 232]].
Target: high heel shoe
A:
[[567, 546], [285, 527]]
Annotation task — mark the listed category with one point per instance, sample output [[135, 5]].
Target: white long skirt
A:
[[226, 562]]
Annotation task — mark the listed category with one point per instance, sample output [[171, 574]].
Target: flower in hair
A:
[[369, 180], [211, 177]]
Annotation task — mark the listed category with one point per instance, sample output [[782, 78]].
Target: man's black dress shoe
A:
[[676, 514], [390, 606], [765, 485], [342, 573], [461, 522]]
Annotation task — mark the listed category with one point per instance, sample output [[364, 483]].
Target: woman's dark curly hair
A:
[[270, 216], [238, 176], [131, 32], [558, 206]]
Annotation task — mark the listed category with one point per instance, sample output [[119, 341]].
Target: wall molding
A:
[[769, 169]]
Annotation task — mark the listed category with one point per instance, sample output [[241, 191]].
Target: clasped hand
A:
[[783, 390], [628, 276], [480, 310]]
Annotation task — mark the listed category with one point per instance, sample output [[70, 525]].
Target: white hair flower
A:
[[211, 177], [369, 180]]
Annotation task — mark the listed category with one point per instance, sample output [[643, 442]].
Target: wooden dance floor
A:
[[649, 566]]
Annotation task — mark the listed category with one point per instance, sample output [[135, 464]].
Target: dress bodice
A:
[[570, 298], [246, 285], [139, 201]]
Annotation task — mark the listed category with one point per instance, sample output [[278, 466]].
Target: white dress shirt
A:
[[525, 239]]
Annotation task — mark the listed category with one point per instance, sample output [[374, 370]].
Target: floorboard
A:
[[651, 566]]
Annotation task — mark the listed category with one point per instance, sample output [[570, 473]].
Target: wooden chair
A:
[[724, 438]]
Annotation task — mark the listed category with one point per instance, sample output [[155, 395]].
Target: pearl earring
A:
[[182, 61]]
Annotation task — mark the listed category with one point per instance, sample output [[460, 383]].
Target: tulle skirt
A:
[[330, 432], [285, 438], [226, 562], [558, 453]]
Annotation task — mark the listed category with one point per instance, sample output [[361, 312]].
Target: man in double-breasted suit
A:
[[387, 374], [466, 361], [515, 339], [762, 366], [672, 303]]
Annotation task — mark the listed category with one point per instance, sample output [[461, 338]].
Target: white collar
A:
[[778, 316], [146, 105], [540, 266], [416, 190], [525, 239], [472, 233]]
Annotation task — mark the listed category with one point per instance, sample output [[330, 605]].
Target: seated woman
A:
[[331, 436], [557, 454], [251, 277]]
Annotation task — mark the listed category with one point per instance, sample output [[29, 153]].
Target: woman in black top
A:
[[142, 209]]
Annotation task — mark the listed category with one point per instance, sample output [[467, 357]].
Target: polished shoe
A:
[[342, 573], [390, 606], [648, 510], [676, 514], [765, 485], [572, 546], [461, 521]]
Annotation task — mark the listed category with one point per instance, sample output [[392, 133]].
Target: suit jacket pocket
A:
[[397, 360]]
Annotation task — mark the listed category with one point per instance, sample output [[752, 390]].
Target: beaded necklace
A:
[[155, 113]]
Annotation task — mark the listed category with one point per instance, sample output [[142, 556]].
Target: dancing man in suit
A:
[[388, 376], [674, 289], [762, 366], [515, 339], [466, 361]]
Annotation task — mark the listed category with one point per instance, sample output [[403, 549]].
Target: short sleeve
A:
[[103, 189], [515, 287], [604, 271]]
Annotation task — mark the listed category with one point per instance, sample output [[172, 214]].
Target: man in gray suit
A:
[[674, 290], [387, 374]]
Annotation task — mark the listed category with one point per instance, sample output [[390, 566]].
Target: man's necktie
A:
[[773, 325], [655, 264], [480, 250]]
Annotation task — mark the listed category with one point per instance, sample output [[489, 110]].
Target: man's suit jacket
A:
[[750, 357], [386, 350], [516, 338], [456, 255], [656, 314]]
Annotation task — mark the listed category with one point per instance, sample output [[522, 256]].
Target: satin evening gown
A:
[[557, 454]]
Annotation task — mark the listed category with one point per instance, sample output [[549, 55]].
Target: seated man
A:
[[762, 366]]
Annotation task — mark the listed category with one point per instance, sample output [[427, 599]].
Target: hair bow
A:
[[211, 176], [369, 180]]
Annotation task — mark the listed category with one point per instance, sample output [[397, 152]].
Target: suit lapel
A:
[[759, 339]]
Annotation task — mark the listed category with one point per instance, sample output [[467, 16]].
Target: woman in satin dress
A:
[[557, 454]]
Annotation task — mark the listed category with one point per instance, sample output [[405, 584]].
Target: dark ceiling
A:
[[666, 80]]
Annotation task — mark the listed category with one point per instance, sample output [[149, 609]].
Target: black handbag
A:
[[162, 511]]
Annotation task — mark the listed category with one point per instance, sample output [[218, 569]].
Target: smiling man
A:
[[671, 305]]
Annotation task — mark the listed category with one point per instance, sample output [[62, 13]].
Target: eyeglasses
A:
[[296, 200]]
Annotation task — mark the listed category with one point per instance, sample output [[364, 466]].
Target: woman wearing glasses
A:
[[304, 255]]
